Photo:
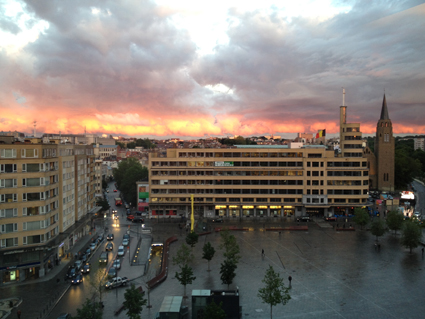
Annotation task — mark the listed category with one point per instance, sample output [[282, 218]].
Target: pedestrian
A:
[[262, 252], [290, 281], [422, 252], [19, 314]]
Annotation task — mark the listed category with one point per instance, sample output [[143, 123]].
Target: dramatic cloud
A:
[[140, 68]]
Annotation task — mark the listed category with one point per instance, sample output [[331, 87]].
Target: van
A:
[[103, 257]]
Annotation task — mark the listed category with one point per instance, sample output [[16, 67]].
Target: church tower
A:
[[384, 151]]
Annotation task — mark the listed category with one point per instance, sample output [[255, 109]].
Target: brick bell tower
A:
[[384, 151]]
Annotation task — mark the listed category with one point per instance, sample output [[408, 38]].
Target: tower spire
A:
[[384, 110]]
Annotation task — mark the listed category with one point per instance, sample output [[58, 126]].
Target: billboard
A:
[[224, 164], [143, 197]]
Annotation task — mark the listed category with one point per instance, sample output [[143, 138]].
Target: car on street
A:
[[121, 251], [86, 268], [64, 316], [107, 190], [99, 239], [78, 279], [84, 257], [303, 219], [217, 220], [330, 219], [72, 272], [109, 247], [130, 217], [112, 272], [117, 264], [126, 236], [103, 258], [110, 237], [116, 282], [125, 242], [78, 264], [88, 251], [115, 190], [138, 220], [92, 246]]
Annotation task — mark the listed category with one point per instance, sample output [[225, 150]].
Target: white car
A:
[[121, 251], [125, 242], [117, 264]]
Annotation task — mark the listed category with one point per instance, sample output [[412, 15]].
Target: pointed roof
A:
[[384, 110]]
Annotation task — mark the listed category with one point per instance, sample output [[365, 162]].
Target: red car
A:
[[130, 217], [115, 190]]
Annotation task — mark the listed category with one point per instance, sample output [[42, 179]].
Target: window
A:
[[8, 183], [9, 242], [29, 153], [8, 213], [8, 198], [8, 153], [9, 228], [8, 168]]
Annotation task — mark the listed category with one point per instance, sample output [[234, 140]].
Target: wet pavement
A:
[[335, 274]]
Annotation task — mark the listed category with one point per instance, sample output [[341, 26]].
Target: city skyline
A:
[[164, 69]]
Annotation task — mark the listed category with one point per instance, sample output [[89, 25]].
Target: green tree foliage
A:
[[103, 203], [134, 302], [230, 246], [411, 234], [239, 140], [361, 217], [104, 184], [274, 292], [184, 256], [407, 165], [192, 239], [227, 272], [395, 220], [89, 309], [208, 253], [185, 276], [214, 311], [378, 228], [129, 172]]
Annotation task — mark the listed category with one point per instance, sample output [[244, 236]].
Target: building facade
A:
[[255, 181], [46, 198]]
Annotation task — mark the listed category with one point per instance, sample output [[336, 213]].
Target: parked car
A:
[[115, 190], [303, 219], [112, 272], [88, 251], [130, 217], [138, 220], [110, 237], [92, 246], [217, 220], [125, 242], [78, 264], [116, 282], [99, 239], [117, 264], [330, 219], [109, 247], [126, 236], [86, 268], [84, 258], [121, 251], [77, 280], [64, 316]]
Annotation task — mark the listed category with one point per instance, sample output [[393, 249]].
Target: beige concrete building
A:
[[40, 203], [256, 181], [105, 151]]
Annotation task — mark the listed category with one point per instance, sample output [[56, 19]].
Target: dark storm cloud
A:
[[292, 70]]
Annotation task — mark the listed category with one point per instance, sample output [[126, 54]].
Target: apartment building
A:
[[419, 144], [256, 181], [40, 212], [105, 151]]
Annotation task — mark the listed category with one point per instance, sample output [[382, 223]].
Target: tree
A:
[[361, 217], [411, 234], [208, 254], [378, 228], [103, 203], [183, 256], [275, 291], [227, 272], [97, 283], [129, 172], [185, 276], [192, 239], [89, 309], [214, 311], [134, 302], [230, 246], [395, 220], [104, 184]]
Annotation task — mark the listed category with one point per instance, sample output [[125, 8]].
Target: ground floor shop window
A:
[[234, 212], [11, 276], [221, 212]]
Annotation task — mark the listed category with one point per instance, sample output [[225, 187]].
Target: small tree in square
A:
[[185, 276], [192, 239], [274, 292], [378, 228], [227, 272], [361, 217], [134, 302], [183, 256], [395, 220], [208, 254], [411, 234], [214, 311]]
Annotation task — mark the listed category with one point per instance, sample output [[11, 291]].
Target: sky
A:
[[195, 69]]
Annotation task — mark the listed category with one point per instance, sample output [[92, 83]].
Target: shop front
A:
[[261, 211], [247, 211], [288, 211], [234, 211], [275, 211], [221, 211]]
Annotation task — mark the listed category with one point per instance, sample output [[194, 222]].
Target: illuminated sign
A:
[[275, 207], [263, 207], [247, 207], [233, 206], [223, 164], [218, 207]]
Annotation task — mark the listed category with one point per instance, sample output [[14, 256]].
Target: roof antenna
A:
[[35, 124], [343, 96]]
